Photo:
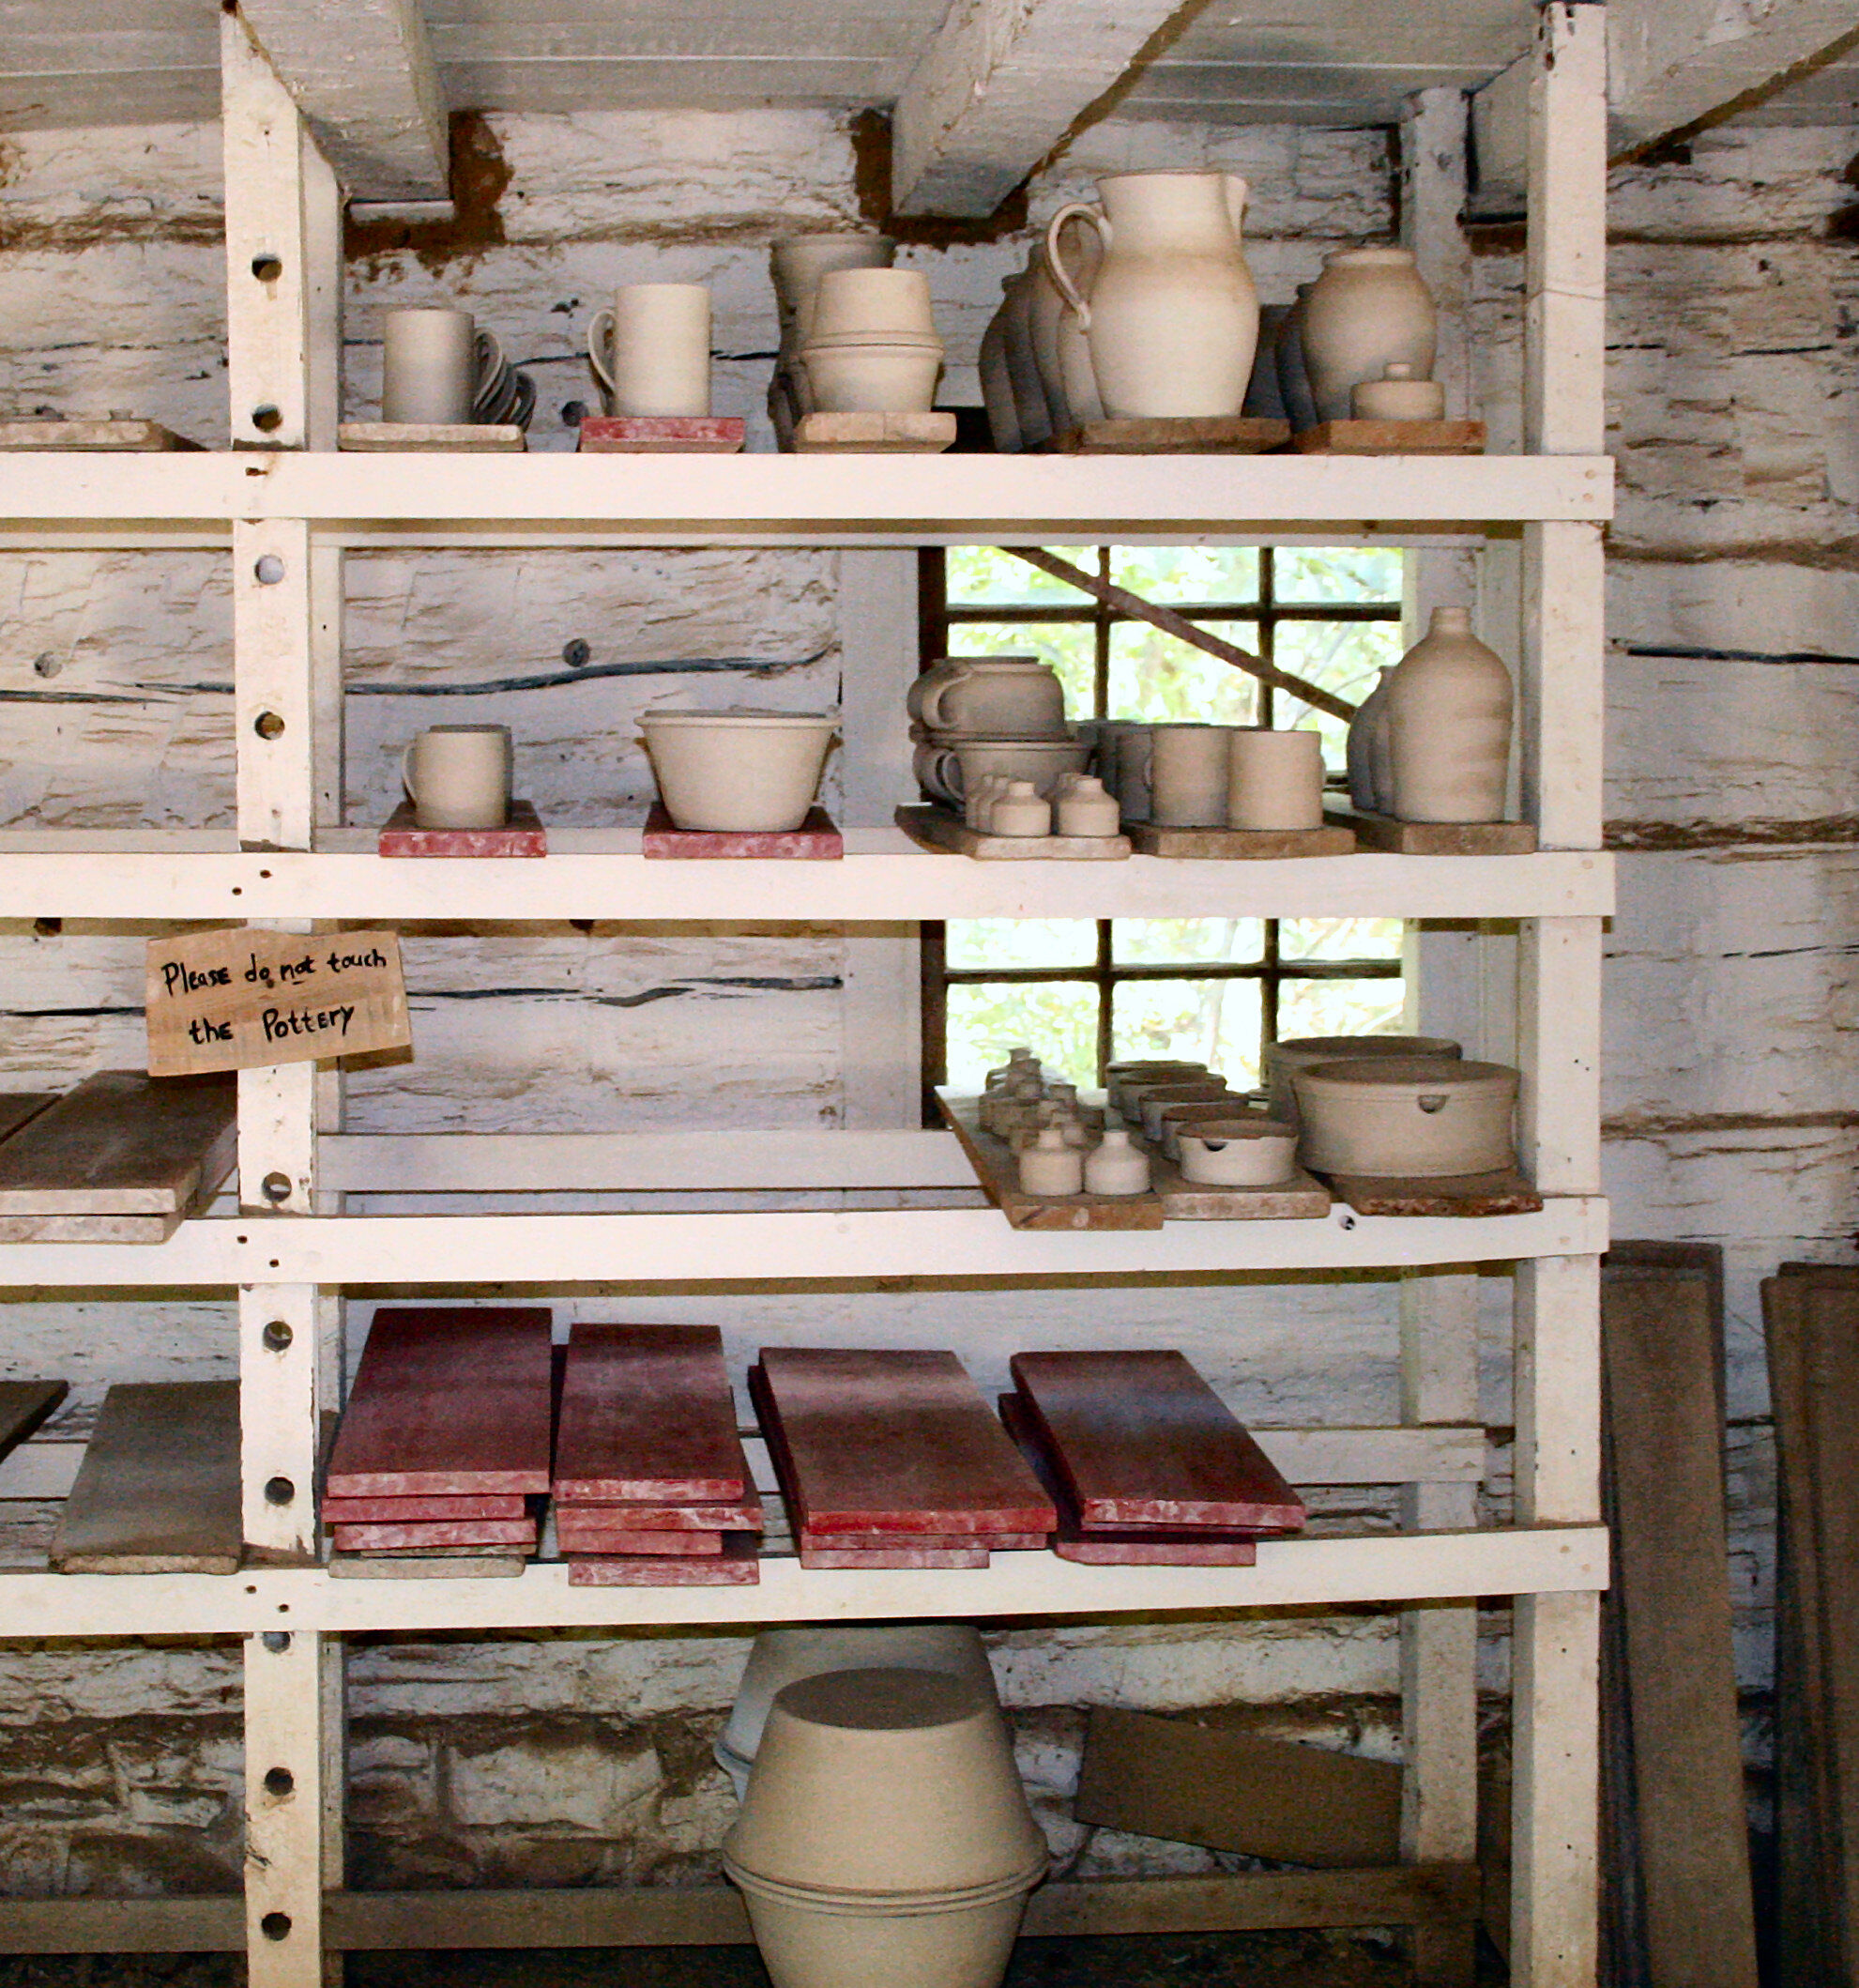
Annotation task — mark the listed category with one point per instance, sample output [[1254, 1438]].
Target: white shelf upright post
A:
[[1555, 1813], [283, 306]]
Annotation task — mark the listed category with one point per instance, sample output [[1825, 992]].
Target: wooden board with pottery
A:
[[891, 1441], [874, 434], [522, 834], [1390, 438], [1180, 435], [935, 827], [661, 435], [816, 840], [996, 1168], [447, 1400], [1223, 845], [1471, 1195], [157, 1491], [1385, 833], [1303, 1198], [116, 435], [646, 1415], [427, 437], [25, 1406], [122, 1157]]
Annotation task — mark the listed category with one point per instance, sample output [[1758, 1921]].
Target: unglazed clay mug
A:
[[1188, 775], [433, 361], [457, 776], [1275, 780], [652, 351]]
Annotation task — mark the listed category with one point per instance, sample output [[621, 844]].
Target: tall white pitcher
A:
[[1172, 319]]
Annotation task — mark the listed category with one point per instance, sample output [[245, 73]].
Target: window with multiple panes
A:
[[1081, 992]]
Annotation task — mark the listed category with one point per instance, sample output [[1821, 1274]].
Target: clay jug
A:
[[1369, 309], [1011, 697], [1371, 776], [1016, 340], [1045, 308], [1449, 725], [1003, 418], [1172, 320]]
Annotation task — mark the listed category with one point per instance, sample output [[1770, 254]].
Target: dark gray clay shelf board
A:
[[25, 1406], [935, 827], [157, 1491], [16, 1107], [1389, 837], [122, 1145], [1471, 1195], [1221, 845], [997, 1170]]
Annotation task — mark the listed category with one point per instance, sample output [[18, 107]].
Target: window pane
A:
[[1004, 943], [1304, 573], [1155, 678], [1339, 1007], [1175, 574], [1056, 1020], [986, 576], [1212, 1021], [1340, 656], [1337, 939], [1070, 650], [1162, 941]]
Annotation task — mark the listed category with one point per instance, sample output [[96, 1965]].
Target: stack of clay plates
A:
[[891, 1459], [444, 1442], [651, 1486], [1147, 1466]]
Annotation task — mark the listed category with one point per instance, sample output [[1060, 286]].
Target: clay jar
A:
[[1371, 770], [1368, 310], [1449, 725], [1003, 416], [1114, 1167], [1016, 345], [989, 696], [1172, 319]]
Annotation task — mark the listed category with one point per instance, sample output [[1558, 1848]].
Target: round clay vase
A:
[[1003, 416], [1172, 319], [1371, 770], [1016, 338], [1367, 311], [1449, 725]]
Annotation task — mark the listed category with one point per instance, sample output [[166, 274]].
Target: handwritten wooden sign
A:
[[234, 1001]]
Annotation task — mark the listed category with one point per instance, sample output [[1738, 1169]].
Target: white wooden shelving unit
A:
[[285, 507]]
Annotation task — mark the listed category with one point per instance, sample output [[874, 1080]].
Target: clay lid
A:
[[1325, 1048], [744, 715], [1412, 1073], [1220, 1130]]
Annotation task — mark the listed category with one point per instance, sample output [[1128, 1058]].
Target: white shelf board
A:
[[763, 1247], [883, 878], [689, 500], [1292, 1573]]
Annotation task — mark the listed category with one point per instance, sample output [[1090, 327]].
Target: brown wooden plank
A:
[[1139, 1436], [1409, 1895], [1222, 844], [997, 1172], [16, 1107], [1433, 838], [25, 1406], [522, 835], [1664, 1457], [447, 1399], [1458, 438], [816, 840], [647, 1415], [737, 1565], [1175, 435], [116, 437], [935, 827], [122, 1143], [412, 1534], [1471, 1195], [892, 1442], [1226, 1789], [429, 437], [1302, 1198], [157, 1491], [466, 1563], [874, 434], [459, 1505]]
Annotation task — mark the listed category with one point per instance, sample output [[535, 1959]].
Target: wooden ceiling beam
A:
[[362, 73], [997, 88]]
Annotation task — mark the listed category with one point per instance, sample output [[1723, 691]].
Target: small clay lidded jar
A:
[[1398, 395], [1051, 1165], [1114, 1167]]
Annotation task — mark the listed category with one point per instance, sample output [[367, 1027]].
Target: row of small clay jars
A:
[[1060, 1152], [1080, 805]]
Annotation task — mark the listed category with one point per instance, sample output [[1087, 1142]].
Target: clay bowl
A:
[[1417, 1117], [884, 1781], [1154, 1070], [1283, 1060], [1149, 1099], [873, 376], [742, 772], [960, 1946], [782, 1656], [861, 303], [1238, 1152], [1173, 1117]]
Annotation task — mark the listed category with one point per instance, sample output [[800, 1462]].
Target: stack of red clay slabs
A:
[[444, 1441], [1148, 1466], [891, 1459], [651, 1486]]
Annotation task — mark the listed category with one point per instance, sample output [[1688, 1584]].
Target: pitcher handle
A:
[[1238, 193], [933, 698], [599, 333], [1093, 215]]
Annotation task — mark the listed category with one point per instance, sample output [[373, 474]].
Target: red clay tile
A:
[[646, 1417]]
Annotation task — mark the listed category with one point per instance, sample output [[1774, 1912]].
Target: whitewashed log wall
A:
[[1730, 1089]]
